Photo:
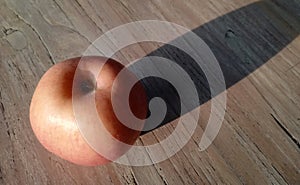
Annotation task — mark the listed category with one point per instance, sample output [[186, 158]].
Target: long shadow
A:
[[242, 41]]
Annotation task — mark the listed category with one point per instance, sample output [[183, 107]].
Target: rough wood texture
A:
[[259, 139]]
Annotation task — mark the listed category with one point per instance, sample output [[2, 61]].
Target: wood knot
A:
[[229, 34]]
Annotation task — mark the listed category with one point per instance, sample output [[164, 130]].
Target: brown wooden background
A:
[[259, 139]]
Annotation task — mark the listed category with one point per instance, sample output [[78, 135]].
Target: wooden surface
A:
[[256, 43]]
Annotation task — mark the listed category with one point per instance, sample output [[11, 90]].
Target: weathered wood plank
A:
[[259, 139]]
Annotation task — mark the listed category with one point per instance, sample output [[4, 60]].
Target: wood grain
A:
[[259, 139]]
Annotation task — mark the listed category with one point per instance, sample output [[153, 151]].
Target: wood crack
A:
[[175, 169], [157, 170], [276, 120], [8, 31], [57, 163], [161, 176], [1, 176], [134, 179], [280, 174], [2, 108], [286, 131], [88, 15], [63, 11], [36, 32]]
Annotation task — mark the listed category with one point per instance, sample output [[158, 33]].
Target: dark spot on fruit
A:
[[87, 86], [85, 81]]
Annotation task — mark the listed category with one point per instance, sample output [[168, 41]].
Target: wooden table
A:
[[257, 44]]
